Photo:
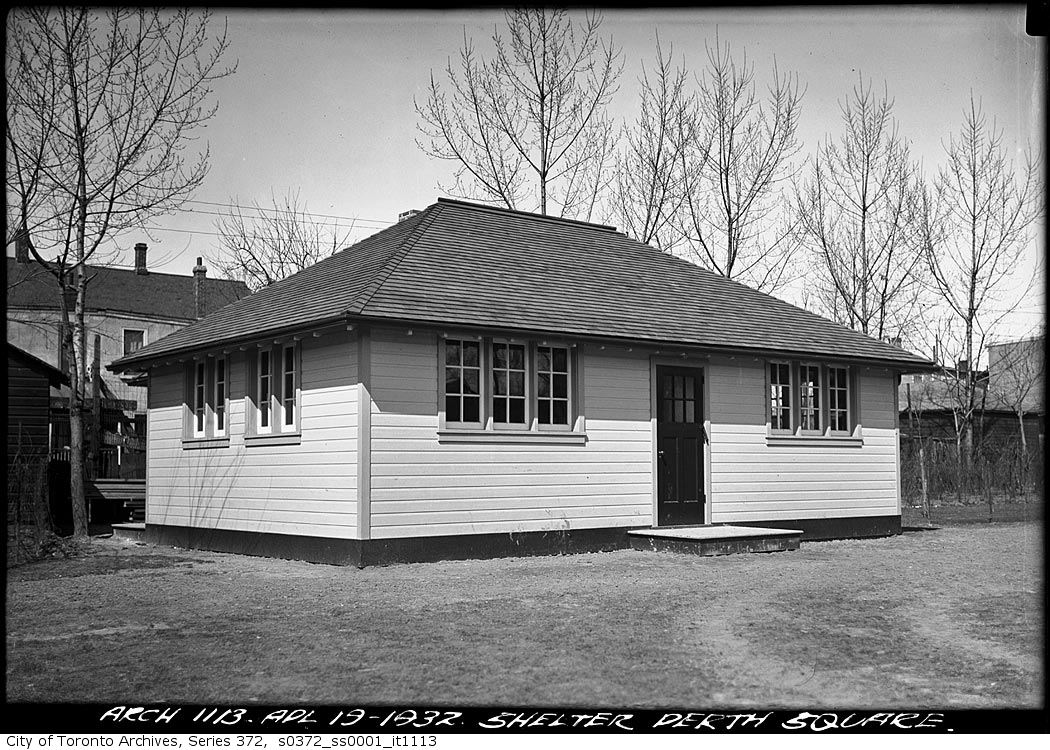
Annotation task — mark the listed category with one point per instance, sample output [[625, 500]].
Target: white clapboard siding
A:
[[752, 481], [308, 489], [420, 487]]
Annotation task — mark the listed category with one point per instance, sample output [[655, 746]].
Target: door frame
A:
[[703, 364]]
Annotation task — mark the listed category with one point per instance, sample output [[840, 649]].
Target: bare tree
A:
[[528, 128], [273, 242], [859, 214], [729, 222], [975, 229], [662, 154], [102, 112]]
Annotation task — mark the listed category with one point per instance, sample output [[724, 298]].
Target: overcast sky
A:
[[322, 101]]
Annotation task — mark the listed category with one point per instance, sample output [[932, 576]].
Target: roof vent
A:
[[407, 214]]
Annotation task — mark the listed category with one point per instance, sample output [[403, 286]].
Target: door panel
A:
[[680, 446]]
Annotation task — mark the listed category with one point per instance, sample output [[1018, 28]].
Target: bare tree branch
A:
[[527, 129], [273, 242]]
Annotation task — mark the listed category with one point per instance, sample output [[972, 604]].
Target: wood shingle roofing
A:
[[458, 263]]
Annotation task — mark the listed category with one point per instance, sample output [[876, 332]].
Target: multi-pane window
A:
[[809, 397], [821, 400], [838, 399], [133, 340], [199, 397], [780, 395], [264, 389], [220, 397], [678, 398], [508, 383], [552, 385], [462, 381], [289, 386]]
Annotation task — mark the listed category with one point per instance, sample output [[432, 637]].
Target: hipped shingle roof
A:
[[458, 263]]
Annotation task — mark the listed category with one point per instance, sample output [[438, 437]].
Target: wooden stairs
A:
[[118, 499]]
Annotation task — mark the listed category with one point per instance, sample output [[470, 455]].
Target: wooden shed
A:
[[29, 422], [475, 381]]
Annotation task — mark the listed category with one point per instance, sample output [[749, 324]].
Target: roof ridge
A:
[[97, 267], [425, 220], [530, 214]]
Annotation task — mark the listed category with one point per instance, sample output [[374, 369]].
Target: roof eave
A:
[[904, 365], [152, 359]]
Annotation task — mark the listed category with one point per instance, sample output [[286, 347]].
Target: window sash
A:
[[263, 392], [839, 412], [290, 387], [509, 395], [463, 378], [553, 387], [132, 345], [809, 398], [199, 397], [219, 410], [780, 407]]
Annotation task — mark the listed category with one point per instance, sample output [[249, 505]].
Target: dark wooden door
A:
[[680, 446]]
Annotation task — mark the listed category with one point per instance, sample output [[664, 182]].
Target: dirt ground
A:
[[950, 617]]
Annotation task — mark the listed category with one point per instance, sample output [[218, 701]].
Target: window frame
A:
[[526, 368], [570, 381], [124, 339], [276, 431], [816, 409], [285, 425], [199, 405], [200, 397], [483, 384], [790, 429], [220, 406], [826, 431], [260, 428], [848, 388], [486, 428]]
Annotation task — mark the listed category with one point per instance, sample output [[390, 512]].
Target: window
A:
[[272, 401], [823, 404], [264, 393], [219, 408], [133, 340], [838, 399], [809, 397], [206, 399], [508, 384], [199, 397], [504, 385], [552, 385], [462, 381], [780, 395], [289, 388]]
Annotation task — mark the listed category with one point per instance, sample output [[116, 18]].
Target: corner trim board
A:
[[364, 432]]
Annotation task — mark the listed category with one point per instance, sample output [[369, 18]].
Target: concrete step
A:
[[133, 532], [715, 540]]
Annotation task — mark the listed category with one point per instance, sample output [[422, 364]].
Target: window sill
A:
[[278, 438], [512, 436], [825, 441], [190, 444]]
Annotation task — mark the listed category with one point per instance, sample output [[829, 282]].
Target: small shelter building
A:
[[474, 381]]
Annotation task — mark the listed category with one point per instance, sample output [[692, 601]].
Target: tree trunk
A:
[[78, 373]]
